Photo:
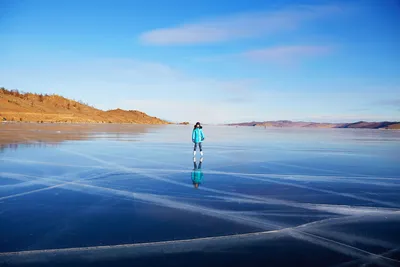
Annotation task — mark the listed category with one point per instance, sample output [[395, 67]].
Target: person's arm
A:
[[193, 136], [202, 135]]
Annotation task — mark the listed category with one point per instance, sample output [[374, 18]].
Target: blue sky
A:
[[209, 61]]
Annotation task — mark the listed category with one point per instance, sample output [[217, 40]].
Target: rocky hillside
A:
[[28, 107], [372, 125], [286, 123]]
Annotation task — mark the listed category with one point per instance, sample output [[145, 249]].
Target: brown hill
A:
[[370, 125], [286, 123], [28, 107], [395, 126], [132, 116]]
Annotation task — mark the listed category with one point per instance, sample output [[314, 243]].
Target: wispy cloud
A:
[[285, 54], [237, 86], [388, 102], [237, 26], [359, 109]]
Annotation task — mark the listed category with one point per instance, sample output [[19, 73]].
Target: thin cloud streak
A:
[[388, 102], [285, 54], [237, 26]]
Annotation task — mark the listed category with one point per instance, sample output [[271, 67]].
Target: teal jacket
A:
[[197, 135], [197, 176]]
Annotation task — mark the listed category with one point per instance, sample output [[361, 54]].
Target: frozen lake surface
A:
[[129, 195]]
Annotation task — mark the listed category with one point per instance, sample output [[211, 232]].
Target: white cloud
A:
[[388, 102], [237, 26], [285, 54]]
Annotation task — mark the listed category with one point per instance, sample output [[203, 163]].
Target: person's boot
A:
[[194, 153], [201, 153]]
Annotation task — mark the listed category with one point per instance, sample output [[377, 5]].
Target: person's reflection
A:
[[197, 173]]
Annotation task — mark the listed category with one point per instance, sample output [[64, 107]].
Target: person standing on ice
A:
[[197, 138]]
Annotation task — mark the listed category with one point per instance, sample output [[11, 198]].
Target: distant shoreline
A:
[[180, 124], [394, 125], [18, 107]]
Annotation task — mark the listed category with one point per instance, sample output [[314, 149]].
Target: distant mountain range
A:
[[27, 107], [287, 123]]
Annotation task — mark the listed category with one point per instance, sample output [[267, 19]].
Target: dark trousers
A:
[[197, 167], [195, 146]]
